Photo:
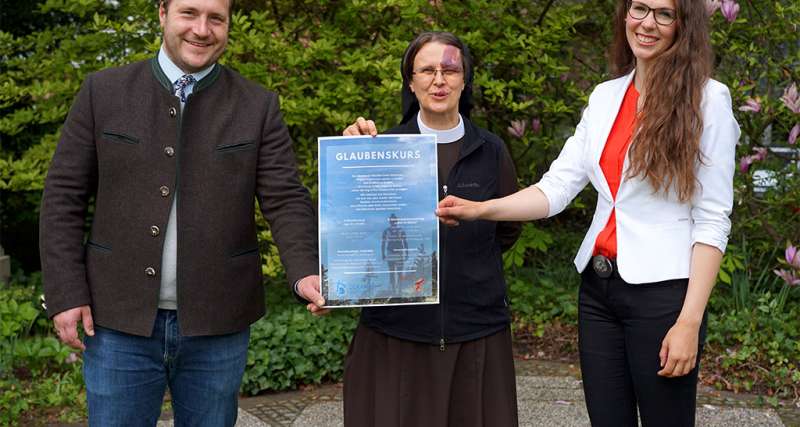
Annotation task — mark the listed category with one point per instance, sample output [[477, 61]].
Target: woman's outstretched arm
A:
[[524, 205]]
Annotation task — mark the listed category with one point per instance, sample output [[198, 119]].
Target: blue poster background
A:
[[379, 241]]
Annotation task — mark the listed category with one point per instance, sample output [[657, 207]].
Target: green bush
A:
[[25, 399], [753, 328], [37, 372], [756, 347], [19, 315], [329, 61], [289, 347], [544, 289], [15, 319]]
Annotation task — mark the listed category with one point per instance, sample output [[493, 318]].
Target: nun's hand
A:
[[361, 127]]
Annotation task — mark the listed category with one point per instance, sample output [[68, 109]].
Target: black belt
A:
[[603, 266]]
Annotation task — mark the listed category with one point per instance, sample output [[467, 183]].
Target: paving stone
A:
[[328, 414], [568, 383], [737, 417], [549, 389], [553, 414], [279, 413], [243, 419]]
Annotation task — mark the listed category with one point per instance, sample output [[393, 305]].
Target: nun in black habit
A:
[[446, 364]]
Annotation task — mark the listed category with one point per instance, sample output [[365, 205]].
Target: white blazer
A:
[[655, 232]]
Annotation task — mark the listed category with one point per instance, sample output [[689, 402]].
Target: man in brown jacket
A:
[[174, 150]]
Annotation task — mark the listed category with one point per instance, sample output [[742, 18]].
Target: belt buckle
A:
[[602, 266]]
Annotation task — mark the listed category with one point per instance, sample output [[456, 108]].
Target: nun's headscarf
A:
[[410, 103]]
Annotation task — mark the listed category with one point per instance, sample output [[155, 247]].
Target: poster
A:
[[379, 235]]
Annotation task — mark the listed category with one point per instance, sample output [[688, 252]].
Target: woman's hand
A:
[[679, 350], [361, 127], [453, 208]]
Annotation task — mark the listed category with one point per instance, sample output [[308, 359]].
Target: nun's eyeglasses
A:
[[427, 74]]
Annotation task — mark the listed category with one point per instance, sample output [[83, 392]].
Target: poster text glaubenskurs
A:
[[378, 155]]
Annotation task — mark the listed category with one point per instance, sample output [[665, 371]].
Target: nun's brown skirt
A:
[[389, 382]]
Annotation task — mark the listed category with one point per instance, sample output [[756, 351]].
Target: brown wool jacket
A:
[[126, 144]]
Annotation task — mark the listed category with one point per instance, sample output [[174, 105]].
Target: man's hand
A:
[[308, 288], [361, 127], [66, 324]]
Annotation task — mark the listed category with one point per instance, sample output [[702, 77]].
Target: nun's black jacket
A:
[[473, 298]]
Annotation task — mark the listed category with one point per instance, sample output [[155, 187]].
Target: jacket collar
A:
[[612, 103], [162, 78], [472, 136]]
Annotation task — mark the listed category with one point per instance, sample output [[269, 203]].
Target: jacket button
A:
[[154, 230], [150, 271], [173, 112], [169, 151], [164, 191]]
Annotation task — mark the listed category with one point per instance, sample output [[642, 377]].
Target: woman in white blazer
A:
[[658, 145]]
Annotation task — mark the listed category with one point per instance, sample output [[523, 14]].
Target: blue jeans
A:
[[126, 375]]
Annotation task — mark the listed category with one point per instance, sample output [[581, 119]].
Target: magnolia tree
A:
[[758, 54]]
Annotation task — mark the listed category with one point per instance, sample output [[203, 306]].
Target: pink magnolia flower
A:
[[536, 125], [794, 133], [789, 277], [793, 256], [730, 8], [760, 153], [744, 163], [752, 105], [712, 6], [517, 128], [791, 98]]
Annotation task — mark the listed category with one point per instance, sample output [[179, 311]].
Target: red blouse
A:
[[619, 139]]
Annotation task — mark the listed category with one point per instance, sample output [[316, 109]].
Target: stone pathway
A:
[[549, 394], [558, 402]]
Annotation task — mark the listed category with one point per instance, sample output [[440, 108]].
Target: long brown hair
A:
[[666, 146]]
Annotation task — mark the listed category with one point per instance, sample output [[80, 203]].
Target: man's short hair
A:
[[166, 5]]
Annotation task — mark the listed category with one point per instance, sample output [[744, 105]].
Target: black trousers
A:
[[621, 327]]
